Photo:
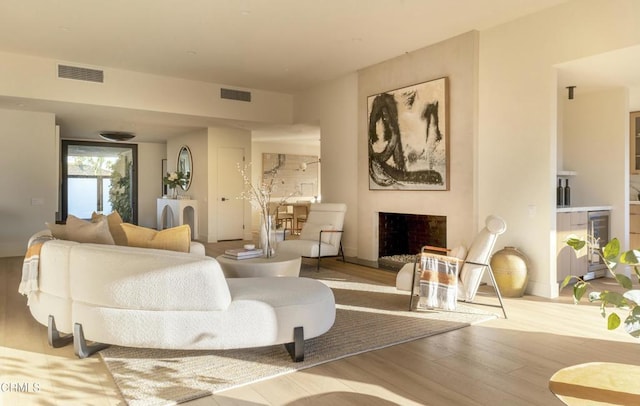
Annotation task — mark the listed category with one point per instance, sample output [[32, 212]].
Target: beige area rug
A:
[[369, 316]]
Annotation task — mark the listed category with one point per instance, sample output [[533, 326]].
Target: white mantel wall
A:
[[455, 59]]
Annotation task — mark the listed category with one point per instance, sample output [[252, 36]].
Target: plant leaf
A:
[[614, 298], [594, 296], [611, 250], [613, 322], [624, 281], [633, 295], [575, 242], [632, 325], [631, 257], [579, 290], [566, 281]]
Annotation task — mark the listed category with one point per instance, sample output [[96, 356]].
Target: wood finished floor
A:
[[501, 362]]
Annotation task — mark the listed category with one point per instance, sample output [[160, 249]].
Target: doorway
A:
[[231, 186], [99, 177]]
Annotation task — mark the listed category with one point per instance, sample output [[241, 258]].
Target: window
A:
[[99, 177]]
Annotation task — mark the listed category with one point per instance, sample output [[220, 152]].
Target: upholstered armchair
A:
[[321, 234]]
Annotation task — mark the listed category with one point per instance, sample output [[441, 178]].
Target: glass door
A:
[[99, 177]]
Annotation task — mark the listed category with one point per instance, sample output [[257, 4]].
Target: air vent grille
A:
[[78, 73], [235, 95]]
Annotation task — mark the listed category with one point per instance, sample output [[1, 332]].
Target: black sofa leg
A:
[[296, 348], [80, 346], [53, 335]]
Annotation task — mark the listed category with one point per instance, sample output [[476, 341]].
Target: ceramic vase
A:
[[510, 269]]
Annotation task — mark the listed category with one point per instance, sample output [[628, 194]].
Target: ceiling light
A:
[[117, 136]]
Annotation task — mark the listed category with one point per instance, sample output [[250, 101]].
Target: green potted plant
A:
[[628, 302]]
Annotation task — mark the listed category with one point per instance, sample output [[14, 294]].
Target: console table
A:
[[178, 212]]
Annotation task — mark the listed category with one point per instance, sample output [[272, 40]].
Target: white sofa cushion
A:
[[146, 279]]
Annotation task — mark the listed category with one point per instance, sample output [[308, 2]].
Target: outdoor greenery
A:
[[628, 302], [120, 190]]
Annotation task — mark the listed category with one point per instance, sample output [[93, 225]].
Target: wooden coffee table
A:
[[282, 264], [597, 383]]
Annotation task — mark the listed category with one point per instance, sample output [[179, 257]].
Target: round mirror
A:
[[185, 165]]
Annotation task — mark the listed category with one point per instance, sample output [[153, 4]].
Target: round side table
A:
[[282, 264]]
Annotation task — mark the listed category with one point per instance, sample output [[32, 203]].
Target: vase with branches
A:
[[261, 197]]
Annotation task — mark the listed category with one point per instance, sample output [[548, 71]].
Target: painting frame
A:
[[408, 137]]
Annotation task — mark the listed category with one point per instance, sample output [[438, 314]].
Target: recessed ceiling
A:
[[280, 45]]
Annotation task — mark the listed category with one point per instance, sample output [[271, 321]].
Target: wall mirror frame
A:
[[184, 164]]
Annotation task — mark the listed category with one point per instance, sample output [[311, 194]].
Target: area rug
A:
[[369, 316]]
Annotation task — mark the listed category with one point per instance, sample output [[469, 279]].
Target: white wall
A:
[[35, 77], [150, 175], [518, 117], [29, 165], [334, 106], [595, 144]]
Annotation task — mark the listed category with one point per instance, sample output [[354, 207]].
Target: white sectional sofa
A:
[[140, 297]]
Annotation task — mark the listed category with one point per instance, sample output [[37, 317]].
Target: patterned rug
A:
[[369, 316]]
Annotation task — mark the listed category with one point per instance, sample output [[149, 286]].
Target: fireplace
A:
[[404, 234]]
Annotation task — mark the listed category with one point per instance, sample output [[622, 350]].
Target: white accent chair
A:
[[321, 234], [476, 261]]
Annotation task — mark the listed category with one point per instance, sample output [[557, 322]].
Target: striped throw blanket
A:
[[30, 266], [438, 282]]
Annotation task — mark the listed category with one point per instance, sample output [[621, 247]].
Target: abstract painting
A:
[[408, 138], [295, 175]]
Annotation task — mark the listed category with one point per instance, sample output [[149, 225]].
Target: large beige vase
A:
[[510, 269]]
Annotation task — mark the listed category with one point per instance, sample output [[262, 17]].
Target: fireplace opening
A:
[[400, 236]]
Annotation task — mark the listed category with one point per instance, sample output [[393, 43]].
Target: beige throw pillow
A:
[[82, 231], [58, 231], [113, 220], [174, 239]]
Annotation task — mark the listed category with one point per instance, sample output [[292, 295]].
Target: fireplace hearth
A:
[[400, 236]]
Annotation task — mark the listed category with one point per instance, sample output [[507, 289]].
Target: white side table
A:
[[178, 212], [282, 264]]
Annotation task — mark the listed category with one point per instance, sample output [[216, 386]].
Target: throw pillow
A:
[[311, 231], [114, 220], [87, 232], [58, 231], [173, 239]]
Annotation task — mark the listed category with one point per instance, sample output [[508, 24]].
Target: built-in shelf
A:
[[567, 173]]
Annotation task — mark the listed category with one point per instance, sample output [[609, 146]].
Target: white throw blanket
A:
[[30, 266]]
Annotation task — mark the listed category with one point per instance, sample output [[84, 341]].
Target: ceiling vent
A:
[[78, 73], [235, 95]]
